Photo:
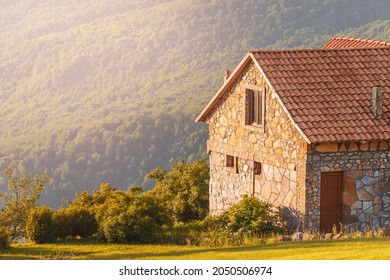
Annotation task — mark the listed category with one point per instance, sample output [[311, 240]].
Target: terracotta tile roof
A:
[[338, 42], [328, 92]]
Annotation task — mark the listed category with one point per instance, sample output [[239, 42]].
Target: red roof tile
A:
[[327, 91], [338, 42], [336, 104]]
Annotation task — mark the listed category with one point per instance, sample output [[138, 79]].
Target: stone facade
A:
[[291, 169], [365, 188], [277, 146]]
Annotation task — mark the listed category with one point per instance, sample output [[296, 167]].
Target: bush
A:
[[62, 226], [4, 238], [82, 222], [251, 216], [74, 221], [186, 233], [141, 219], [245, 223], [40, 227]]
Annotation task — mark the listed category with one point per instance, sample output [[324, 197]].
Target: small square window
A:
[[257, 168], [229, 161]]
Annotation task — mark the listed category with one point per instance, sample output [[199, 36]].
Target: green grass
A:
[[351, 249]]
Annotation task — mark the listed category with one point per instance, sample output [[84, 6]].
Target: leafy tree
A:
[[184, 190], [94, 202], [40, 226], [20, 199]]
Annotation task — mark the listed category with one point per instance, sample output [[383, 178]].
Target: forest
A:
[[98, 91]]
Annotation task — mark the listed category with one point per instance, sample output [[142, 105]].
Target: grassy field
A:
[[350, 249]]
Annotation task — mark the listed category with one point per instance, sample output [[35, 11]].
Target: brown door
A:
[[330, 201]]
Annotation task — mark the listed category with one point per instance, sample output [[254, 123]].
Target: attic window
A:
[[254, 103], [229, 161]]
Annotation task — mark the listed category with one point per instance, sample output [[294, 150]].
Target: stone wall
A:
[[278, 146], [365, 189], [291, 169]]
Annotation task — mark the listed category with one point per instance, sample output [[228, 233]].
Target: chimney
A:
[[227, 74], [377, 97]]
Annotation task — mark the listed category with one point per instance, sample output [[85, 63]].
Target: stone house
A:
[[307, 130]]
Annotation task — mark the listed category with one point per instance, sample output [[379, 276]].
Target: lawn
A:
[[350, 249]]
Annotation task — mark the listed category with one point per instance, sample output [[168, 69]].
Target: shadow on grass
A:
[[39, 252], [92, 250], [215, 252]]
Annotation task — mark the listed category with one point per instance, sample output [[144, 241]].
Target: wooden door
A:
[[330, 201]]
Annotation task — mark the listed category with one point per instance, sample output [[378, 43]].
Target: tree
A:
[[184, 190], [40, 226], [23, 192]]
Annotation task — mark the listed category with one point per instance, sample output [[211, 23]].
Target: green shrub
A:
[[186, 233], [74, 221], [245, 223], [4, 238], [251, 216], [82, 222], [62, 226], [140, 219], [40, 227]]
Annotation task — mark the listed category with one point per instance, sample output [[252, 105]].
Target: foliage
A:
[[105, 92], [121, 217], [74, 221], [83, 223], [20, 199], [248, 222], [134, 219], [251, 216], [4, 238], [184, 190], [62, 225], [40, 226], [186, 233]]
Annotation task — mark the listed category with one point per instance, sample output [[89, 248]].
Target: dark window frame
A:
[[229, 161], [257, 168], [255, 107]]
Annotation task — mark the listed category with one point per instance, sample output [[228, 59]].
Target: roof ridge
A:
[[317, 50], [352, 42], [361, 39]]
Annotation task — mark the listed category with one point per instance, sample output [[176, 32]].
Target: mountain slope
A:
[[93, 92]]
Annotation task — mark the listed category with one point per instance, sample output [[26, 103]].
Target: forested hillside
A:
[[98, 91]]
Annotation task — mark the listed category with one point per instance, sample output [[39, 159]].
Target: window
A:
[[257, 168], [254, 107], [237, 171], [229, 161]]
